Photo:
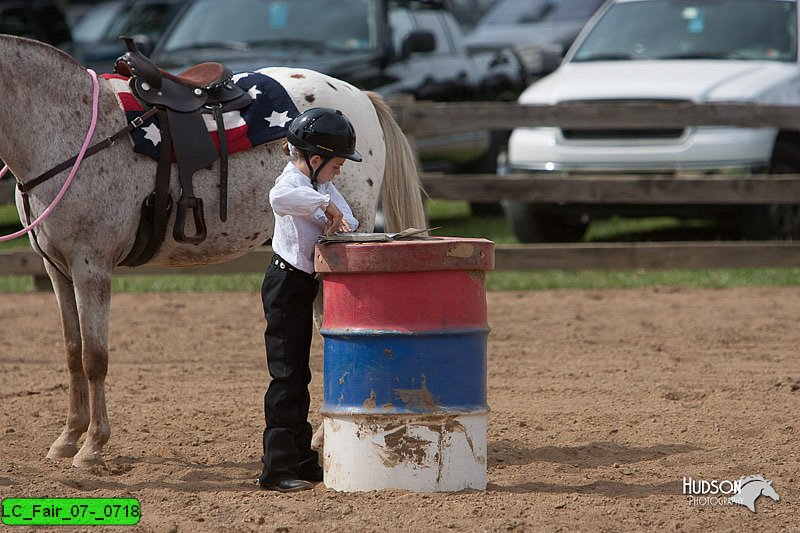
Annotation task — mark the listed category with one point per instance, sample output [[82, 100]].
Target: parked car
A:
[[466, 12], [698, 51], [42, 20], [392, 47], [541, 31], [97, 31]]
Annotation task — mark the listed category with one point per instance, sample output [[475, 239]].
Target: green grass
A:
[[457, 223], [456, 220], [183, 283], [625, 279], [16, 284], [8, 215], [9, 223]]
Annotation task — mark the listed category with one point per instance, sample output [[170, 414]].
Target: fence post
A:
[[42, 283], [405, 100]]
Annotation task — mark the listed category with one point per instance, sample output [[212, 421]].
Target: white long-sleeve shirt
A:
[[300, 215]]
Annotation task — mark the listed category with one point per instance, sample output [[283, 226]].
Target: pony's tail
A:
[[401, 191]]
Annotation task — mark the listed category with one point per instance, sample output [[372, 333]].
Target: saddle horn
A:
[[135, 64]]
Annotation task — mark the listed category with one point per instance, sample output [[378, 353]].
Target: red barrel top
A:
[[419, 255]]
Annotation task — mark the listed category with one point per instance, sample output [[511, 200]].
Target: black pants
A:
[[288, 297]]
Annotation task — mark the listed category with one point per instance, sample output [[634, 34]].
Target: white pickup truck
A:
[[700, 51]]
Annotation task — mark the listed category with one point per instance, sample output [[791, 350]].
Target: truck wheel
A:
[[493, 162], [775, 221], [530, 226], [485, 209]]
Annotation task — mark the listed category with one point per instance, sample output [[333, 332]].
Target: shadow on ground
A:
[[610, 489], [592, 455]]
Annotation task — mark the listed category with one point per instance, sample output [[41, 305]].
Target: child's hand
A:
[[336, 221]]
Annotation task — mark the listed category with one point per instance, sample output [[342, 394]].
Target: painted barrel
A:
[[405, 330]]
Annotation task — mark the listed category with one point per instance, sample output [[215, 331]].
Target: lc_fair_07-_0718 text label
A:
[[70, 511]]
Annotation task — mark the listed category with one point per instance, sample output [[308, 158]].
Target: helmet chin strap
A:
[[314, 171]]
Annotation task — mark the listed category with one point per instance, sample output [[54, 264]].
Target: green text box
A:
[[70, 511]]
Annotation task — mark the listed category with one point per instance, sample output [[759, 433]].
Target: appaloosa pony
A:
[[45, 111]]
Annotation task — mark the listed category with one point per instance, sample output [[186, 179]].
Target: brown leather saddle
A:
[[181, 100]]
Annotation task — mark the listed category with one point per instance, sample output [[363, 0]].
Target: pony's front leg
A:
[[93, 298], [66, 445]]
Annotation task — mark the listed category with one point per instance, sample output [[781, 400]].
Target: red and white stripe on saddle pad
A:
[[264, 120]]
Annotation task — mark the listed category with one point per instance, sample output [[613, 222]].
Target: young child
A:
[[306, 204]]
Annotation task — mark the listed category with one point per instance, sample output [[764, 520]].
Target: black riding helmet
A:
[[324, 131]]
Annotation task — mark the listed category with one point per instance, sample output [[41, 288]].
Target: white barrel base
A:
[[424, 453]]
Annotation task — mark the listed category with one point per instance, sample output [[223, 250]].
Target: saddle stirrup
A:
[[178, 232]]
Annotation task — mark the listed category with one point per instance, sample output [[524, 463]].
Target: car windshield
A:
[[93, 25], [341, 25], [705, 29], [531, 11]]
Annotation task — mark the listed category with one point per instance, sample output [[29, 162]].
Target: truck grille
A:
[[623, 134]]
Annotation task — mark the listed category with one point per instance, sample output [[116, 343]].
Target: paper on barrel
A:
[[409, 233]]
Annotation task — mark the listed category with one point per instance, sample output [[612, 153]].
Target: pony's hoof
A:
[[88, 459], [62, 451]]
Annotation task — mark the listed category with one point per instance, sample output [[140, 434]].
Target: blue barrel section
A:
[[385, 372]]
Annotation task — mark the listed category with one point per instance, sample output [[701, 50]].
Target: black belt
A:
[[283, 264]]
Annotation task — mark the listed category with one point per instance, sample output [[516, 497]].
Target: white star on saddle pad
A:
[[253, 92], [153, 134], [278, 119], [239, 76]]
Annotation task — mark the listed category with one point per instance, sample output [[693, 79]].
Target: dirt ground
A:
[[602, 402]]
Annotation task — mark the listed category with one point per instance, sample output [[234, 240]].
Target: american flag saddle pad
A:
[[265, 119]]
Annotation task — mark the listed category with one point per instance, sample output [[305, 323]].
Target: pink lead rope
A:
[[86, 142]]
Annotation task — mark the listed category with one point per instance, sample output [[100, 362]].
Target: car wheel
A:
[[532, 226], [775, 221]]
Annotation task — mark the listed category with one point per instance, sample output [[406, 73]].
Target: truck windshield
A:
[[340, 25], [685, 29], [531, 11]]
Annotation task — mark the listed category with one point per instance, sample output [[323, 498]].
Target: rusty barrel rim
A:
[[433, 253]]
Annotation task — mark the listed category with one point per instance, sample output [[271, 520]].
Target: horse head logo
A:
[[751, 487]]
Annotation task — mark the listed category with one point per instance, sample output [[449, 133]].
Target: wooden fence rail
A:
[[510, 257], [627, 189], [634, 189], [428, 118], [420, 118]]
